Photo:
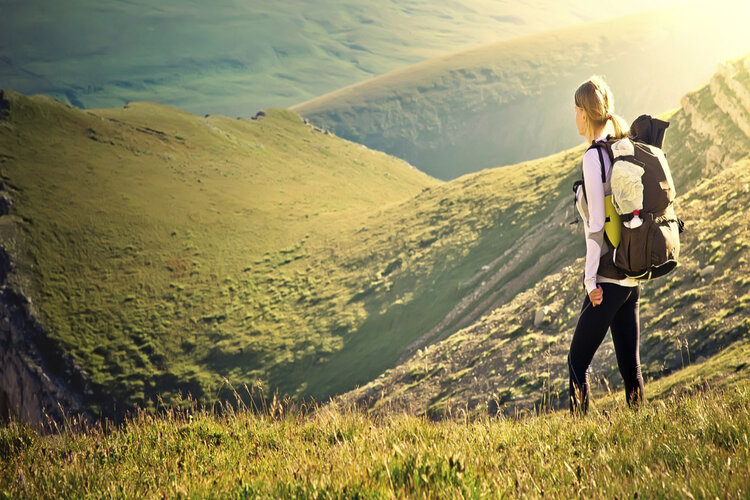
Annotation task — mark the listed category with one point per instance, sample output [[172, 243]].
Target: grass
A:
[[145, 237], [685, 318], [510, 101], [169, 263], [692, 443], [168, 252]]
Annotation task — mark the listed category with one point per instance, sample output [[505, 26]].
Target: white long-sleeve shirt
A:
[[592, 212]]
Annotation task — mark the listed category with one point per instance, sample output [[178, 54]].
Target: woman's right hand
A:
[[596, 296]]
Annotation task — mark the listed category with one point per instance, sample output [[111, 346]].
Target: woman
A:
[[612, 298]]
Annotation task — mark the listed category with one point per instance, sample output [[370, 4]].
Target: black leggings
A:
[[619, 312]]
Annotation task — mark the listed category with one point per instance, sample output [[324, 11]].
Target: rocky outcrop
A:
[[712, 127], [39, 383], [731, 96], [4, 106]]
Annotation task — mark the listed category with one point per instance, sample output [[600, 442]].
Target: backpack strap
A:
[[575, 192], [598, 147], [601, 164]]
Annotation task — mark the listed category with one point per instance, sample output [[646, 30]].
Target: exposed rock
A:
[[4, 105], [707, 271], [5, 203], [541, 316], [724, 91], [39, 382]]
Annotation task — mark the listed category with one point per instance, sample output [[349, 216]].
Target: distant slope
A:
[[234, 58], [505, 361], [511, 101]]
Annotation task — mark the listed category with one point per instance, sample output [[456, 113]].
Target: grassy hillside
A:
[[509, 360], [501, 231], [234, 58], [183, 256], [518, 365], [199, 253], [510, 101], [693, 444], [164, 250]]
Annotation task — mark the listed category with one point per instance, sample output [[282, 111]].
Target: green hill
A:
[[164, 250], [168, 253], [234, 58], [506, 361], [157, 282], [510, 101]]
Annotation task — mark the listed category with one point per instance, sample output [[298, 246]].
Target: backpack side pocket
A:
[[633, 255]]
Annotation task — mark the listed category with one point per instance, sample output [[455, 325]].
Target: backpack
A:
[[642, 194]]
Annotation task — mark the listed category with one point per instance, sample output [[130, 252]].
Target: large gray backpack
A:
[[643, 194]]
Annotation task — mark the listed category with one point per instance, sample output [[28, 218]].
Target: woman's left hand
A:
[[596, 296]]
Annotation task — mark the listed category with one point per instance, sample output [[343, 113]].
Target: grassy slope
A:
[[234, 58], [693, 444], [159, 247], [428, 254], [509, 101], [310, 315], [504, 361], [313, 315], [517, 228], [514, 361]]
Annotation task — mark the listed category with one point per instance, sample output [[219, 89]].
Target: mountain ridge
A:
[[498, 104], [234, 59]]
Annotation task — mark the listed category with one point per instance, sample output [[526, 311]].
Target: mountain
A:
[[152, 253], [513, 358], [509, 361], [510, 101], [168, 253], [159, 250], [234, 58]]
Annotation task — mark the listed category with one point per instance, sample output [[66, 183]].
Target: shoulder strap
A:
[[601, 164], [598, 148]]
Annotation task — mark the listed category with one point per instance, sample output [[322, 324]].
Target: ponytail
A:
[[621, 127]]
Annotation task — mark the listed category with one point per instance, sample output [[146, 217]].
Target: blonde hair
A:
[[595, 98]]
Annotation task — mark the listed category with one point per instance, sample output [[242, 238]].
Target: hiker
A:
[[610, 302]]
